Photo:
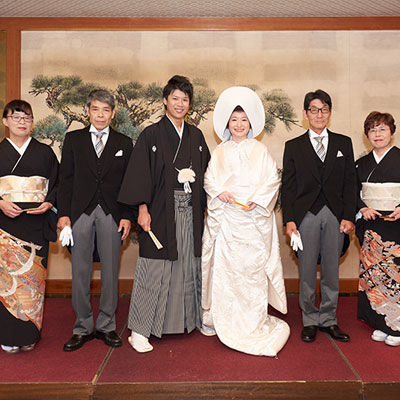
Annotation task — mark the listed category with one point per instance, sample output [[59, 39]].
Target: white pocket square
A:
[[118, 153], [339, 154]]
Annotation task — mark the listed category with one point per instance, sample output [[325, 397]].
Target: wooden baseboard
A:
[[346, 286], [64, 286]]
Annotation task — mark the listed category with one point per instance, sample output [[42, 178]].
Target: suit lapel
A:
[[109, 151], [331, 155], [89, 149], [308, 154]]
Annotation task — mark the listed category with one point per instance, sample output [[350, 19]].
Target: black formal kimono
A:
[[25, 242], [151, 178], [379, 283], [166, 295]]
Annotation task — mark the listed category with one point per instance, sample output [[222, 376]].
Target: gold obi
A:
[[22, 189], [381, 196]]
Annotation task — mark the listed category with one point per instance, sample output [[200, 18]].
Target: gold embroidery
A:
[[22, 279]]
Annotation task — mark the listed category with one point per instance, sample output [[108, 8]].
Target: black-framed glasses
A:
[[316, 110], [17, 118]]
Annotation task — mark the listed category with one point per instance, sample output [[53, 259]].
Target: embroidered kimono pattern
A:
[[379, 281], [22, 279], [241, 264]]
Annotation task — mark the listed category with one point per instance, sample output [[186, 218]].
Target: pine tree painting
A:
[[137, 105]]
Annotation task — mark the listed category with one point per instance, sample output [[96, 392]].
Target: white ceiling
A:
[[199, 8]]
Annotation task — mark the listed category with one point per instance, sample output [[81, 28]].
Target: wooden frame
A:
[[14, 27]]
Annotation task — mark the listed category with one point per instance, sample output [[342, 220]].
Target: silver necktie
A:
[[99, 147], [320, 149]]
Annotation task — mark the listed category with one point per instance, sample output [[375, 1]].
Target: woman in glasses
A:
[[378, 229], [28, 177]]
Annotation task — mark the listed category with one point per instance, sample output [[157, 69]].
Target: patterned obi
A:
[[22, 189], [381, 196]]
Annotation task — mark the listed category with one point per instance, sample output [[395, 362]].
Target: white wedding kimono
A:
[[241, 264]]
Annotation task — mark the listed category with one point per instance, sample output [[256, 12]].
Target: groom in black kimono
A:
[[167, 286], [94, 160]]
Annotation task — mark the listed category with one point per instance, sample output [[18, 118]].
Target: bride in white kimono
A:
[[241, 264]]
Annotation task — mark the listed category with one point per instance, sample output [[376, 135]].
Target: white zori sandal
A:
[[393, 340], [379, 336], [140, 343]]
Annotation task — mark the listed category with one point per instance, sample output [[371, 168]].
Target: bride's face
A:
[[239, 126]]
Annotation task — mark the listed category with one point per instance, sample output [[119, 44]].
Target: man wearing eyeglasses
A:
[[319, 206]]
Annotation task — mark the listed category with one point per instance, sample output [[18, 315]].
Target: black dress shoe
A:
[[335, 332], [309, 333], [77, 341], [109, 338]]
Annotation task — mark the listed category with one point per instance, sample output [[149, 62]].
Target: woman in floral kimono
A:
[[379, 230], [241, 264], [28, 177]]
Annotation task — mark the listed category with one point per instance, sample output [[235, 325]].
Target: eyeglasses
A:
[[315, 110], [379, 129], [18, 118]]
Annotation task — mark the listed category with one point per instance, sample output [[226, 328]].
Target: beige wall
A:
[[2, 78], [360, 69]]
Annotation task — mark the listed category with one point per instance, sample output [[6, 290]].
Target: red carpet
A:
[[373, 361], [48, 362], [196, 358]]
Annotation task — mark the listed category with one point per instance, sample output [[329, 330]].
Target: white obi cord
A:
[[381, 196], [22, 189]]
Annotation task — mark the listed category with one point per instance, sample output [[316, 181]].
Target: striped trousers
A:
[[166, 295]]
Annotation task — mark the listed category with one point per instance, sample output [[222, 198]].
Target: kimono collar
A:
[[179, 132], [21, 150], [379, 159]]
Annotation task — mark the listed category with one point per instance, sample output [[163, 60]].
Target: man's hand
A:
[[346, 226], [291, 228], [125, 227], [63, 222], [41, 209], [10, 209], [369, 213], [144, 218]]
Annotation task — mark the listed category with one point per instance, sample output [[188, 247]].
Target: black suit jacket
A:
[[79, 178], [302, 181]]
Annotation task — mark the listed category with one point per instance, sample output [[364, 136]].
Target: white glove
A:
[[66, 238], [295, 241]]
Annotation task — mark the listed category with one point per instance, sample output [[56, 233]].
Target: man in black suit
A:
[[93, 164], [319, 201]]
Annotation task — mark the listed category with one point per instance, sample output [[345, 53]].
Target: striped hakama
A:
[[166, 295]]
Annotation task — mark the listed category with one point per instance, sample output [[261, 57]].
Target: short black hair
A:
[[101, 95], [181, 83], [320, 95], [19, 106]]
